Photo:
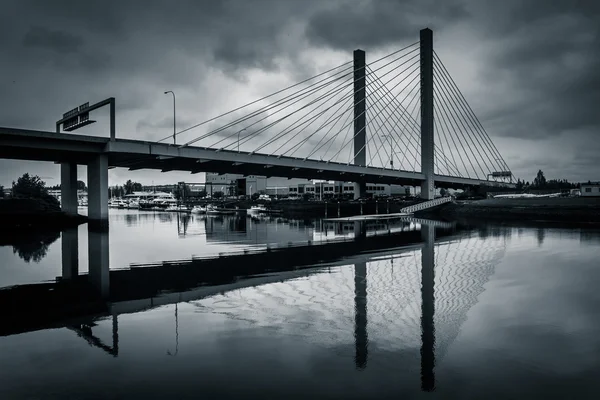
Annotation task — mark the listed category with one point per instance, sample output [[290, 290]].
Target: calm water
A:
[[488, 312]]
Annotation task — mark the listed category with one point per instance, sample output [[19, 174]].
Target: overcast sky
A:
[[529, 69]]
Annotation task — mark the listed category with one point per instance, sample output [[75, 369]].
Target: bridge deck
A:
[[138, 154]]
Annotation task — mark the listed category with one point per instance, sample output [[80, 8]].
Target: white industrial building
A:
[[590, 189], [232, 184]]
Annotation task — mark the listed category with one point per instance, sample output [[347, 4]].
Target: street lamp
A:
[[239, 138], [170, 91], [389, 137]]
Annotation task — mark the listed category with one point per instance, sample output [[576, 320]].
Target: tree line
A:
[[540, 183]]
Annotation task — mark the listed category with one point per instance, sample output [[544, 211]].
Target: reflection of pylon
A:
[[176, 334]]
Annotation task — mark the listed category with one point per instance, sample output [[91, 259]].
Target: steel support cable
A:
[[444, 110], [414, 124], [324, 124], [304, 96], [248, 137], [266, 97], [354, 120], [493, 155], [378, 107], [283, 100], [396, 52], [376, 90], [469, 122], [307, 123], [463, 132], [372, 82], [346, 112], [446, 160], [297, 98], [417, 69], [452, 138], [311, 103], [331, 140], [399, 119], [472, 113], [379, 127], [438, 129], [456, 110]]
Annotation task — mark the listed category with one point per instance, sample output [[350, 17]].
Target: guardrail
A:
[[426, 204]]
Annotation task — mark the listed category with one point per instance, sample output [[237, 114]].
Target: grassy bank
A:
[[567, 209]]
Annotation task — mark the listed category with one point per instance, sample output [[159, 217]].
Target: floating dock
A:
[[371, 217]]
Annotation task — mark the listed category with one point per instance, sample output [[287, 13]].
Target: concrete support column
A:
[[68, 188], [361, 338], [70, 253], [360, 117], [427, 309], [99, 261], [427, 143], [98, 191]]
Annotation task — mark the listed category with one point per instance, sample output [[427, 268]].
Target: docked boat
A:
[[198, 210], [212, 210], [258, 209]]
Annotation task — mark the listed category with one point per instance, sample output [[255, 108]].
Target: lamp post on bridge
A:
[[174, 119], [239, 138], [389, 137]]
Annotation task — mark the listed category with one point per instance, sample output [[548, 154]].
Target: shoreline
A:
[[544, 210]]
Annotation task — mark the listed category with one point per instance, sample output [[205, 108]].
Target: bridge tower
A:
[[360, 108], [427, 144]]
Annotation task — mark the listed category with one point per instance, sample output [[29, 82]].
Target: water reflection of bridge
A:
[[396, 308]]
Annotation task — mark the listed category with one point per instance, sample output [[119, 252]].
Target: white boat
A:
[[261, 208], [198, 210]]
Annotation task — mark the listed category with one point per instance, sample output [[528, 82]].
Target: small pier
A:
[[371, 217]]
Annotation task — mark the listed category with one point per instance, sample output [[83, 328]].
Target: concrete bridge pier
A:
[[70, 253], [99, 264], [361, 339], [68, 188], [427, 309], [97, 172], [360, 230], [360, 118]]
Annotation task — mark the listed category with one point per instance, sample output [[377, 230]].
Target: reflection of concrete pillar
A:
[[360, 230], [97, 172], [68, 188], [70, 253], [361, 339], [427, 309], [99, 261]]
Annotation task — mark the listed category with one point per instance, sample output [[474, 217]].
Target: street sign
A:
[[502, 174], [79, 117]]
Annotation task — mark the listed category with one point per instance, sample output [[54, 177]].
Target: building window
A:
[[588, 190]]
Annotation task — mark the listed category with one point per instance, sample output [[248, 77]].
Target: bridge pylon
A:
[[360, 118], [427, 142]]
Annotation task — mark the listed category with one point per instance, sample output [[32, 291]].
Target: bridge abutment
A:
[[98, 192], [427, 134], [68, 188]]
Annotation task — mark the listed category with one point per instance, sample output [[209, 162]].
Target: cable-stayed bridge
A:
[[400, 119]]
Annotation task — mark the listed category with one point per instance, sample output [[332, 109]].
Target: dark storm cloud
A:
[[373, 24], [58, 41], [546, 54]]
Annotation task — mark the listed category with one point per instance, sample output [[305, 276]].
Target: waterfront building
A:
[[590, 189]]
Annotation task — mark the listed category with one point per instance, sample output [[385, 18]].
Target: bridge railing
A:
[[426, 204]]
